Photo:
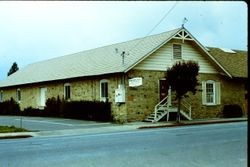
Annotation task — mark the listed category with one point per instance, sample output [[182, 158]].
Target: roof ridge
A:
[[71, 54]]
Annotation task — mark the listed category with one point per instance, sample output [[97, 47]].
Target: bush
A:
[[232, 111], [9, 107], [85, 110], [53, 107], [32, 112]]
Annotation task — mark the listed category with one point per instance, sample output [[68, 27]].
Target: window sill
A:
[[209, 104]]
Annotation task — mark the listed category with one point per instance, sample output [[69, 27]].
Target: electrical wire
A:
[[165, 15]]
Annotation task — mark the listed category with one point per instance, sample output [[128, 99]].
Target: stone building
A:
[[131, 75]]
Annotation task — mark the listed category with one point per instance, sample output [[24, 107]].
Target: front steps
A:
[[165, 107], [165, 113]]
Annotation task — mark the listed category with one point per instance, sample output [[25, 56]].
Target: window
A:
[[43, 97], [67, 91], [1, 96], [177, 51], [104, 90], [210, 92], [18, 95]]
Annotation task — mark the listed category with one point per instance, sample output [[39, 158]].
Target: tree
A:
[[14, 68], [182, 78]]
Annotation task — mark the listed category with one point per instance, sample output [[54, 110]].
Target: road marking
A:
[[66, 124], [47, 122]]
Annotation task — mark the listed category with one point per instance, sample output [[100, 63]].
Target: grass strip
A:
[[10, 129]]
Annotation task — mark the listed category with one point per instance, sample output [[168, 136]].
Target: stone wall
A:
[[81, 89], [28, 95], [141, 100], [232, 92]]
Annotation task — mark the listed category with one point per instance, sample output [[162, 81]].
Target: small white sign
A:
[[134, 82]]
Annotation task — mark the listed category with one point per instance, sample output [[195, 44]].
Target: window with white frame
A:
[[67, 91], [18, 95], [104, 90], [210, 92], [1, 96], [177, 51]]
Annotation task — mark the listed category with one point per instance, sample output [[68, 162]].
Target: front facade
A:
[[138, 82]]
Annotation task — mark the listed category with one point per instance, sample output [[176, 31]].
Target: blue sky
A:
[[32, 31]]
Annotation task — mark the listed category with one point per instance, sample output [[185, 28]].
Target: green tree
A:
[[182, 78], [14, 68]]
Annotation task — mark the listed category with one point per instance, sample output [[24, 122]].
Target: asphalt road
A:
[[48, 124], [207, 145]]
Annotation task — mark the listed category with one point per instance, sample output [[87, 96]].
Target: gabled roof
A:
[[99, 61], [234, 61]]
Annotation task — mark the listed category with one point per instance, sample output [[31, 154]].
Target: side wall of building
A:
[[141, 100], [231, 92], [80, 89]]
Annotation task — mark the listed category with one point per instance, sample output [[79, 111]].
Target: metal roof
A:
[[99, 61], [108, 59]]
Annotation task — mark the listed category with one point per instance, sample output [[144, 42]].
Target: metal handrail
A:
[[160, 104]]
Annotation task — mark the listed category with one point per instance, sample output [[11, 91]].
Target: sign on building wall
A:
[[134, 82]]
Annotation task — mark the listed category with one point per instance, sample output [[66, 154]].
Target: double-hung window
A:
[[18, 95], [104, 90], [210, 92], [1, 96], [67, 91]]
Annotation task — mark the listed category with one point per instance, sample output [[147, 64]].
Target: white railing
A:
[[187, 106], [167, 100], [160, 104]]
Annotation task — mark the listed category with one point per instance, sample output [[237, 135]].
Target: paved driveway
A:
[[48, 124]]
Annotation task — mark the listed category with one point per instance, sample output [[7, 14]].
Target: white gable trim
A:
[[151, 52], [209, 55], [184, 35]]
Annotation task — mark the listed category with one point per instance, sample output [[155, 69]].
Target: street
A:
[[206, 145], [48, 124]]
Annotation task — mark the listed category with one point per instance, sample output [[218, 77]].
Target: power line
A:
[[162, 18], [165, 15]]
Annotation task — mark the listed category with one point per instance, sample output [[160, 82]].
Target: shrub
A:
[[32, 112], [9, 107], [53, 107], [232, 111], [85, 110]]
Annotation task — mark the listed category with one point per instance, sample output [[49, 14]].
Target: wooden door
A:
[[163, 88]]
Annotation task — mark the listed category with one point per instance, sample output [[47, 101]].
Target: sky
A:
[[32, 31]]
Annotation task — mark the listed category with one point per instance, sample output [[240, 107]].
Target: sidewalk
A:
[[117, 128], [194, 122]]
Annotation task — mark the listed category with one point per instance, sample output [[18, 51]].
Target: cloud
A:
[[31, 31]]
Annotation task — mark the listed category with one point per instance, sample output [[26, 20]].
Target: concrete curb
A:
[[194, 123], [17, 135], [120, 128]]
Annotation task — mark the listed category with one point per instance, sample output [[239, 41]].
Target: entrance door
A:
[[163, 88], [43, 96]]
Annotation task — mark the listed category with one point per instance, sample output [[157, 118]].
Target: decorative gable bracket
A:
[[184, 35]]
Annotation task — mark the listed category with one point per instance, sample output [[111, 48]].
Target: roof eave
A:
[[152, 51], [210, 56]]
